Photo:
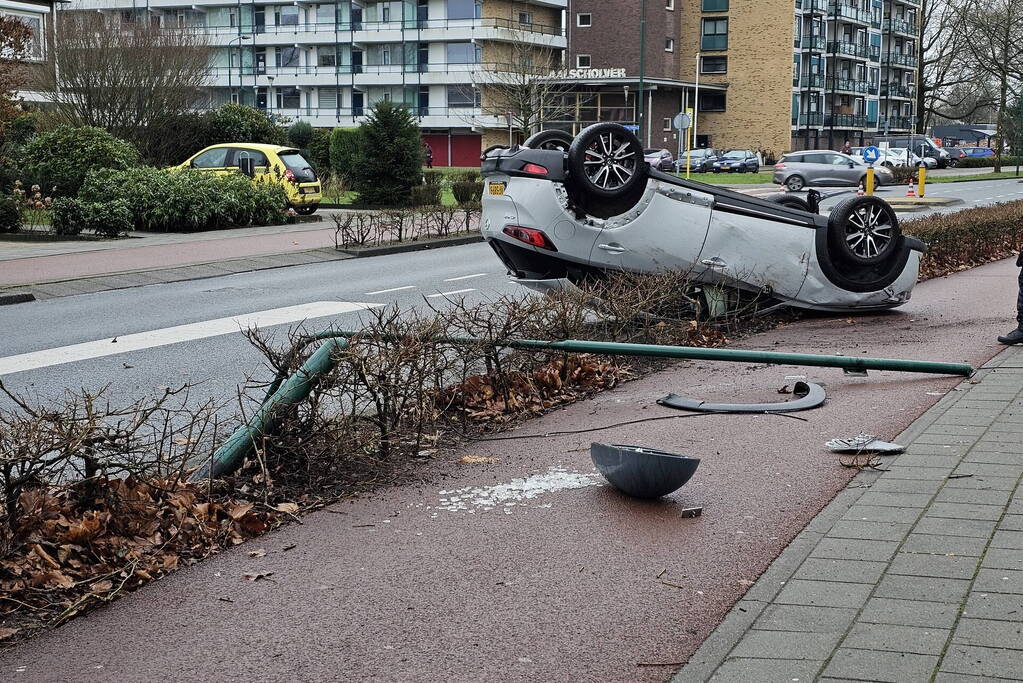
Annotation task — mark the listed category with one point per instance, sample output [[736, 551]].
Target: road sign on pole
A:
[[871, 154], [682, 121]]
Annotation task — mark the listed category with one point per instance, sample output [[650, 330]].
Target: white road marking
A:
[[175, 335], [457, 291], [465, 277], [388, 291]]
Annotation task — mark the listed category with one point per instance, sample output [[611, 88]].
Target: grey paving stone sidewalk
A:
[[911, 574]]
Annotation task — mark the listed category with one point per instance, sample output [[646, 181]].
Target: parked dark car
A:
[[955, 154], [661, 159], [700, 160], [737, 161]]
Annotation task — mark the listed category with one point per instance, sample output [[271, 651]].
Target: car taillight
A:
[[531, 236], [779, 167], [534, 169], [290, 175]]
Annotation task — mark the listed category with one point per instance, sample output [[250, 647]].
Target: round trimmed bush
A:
[[10, 214], [64, 156], [66, 216], [300, 134]]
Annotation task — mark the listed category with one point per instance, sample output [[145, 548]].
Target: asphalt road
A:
[[218, 364]]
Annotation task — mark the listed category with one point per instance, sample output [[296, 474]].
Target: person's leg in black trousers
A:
[[1016, 336]]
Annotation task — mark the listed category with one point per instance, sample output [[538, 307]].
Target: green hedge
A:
[[967, 238], [187, 200], [987, 162], [63, 157]]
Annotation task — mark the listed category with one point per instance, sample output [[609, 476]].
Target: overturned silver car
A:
[[560, 209]]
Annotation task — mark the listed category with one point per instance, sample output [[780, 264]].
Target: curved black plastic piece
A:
[[642, 472], [808, 395]]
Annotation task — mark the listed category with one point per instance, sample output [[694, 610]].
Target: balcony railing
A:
[[842, 10], [895, 90], [807, 43], [845, 120], [341, 113], [900, 26], [846, 85], [371, 26], [809, 81], [812, 5], [900, 123], [861, 50], [810, 120], [895, 59], [350, 69]]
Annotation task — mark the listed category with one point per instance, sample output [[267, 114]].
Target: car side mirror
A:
[[247, 165], [852, 165]]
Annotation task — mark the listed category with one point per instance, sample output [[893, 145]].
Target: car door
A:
[[816, 169], [666, 231], [846, 171]]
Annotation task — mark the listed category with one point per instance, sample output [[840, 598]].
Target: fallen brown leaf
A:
[[6, 633], [257, 553], [287, 508], [261, 576], [476, 460]]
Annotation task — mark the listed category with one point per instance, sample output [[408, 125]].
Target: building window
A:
[[669, 44], [288, 56], [463, 97], [526, 18], [287, 16], [715, 5], [34, 50], [712, 101], [667, 124], [669, 4], [464, 53], [326, 55], [584, 20], [288, 98], [715, 34], [713, 65], [385, 13], [582, 61], [326, 14], [465, 9]]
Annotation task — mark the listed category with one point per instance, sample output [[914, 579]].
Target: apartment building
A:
[[803, 76], [328, 62]]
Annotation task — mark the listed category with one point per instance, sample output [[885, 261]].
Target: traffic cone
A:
[[782, 189], [860, 191], [911, 192]]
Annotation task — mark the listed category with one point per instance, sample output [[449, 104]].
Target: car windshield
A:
[[650, 152], [302, 169], [735, 154]]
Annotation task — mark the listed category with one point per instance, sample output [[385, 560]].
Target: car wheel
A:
[[606, 160], [791, 202], [953, 163], [306, 210], [795, 183], [863, 231], [550, 140]]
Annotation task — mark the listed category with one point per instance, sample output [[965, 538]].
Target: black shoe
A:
[[1014, 337]]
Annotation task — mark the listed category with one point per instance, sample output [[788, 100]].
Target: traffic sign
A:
[[682, 121], [871, 154]]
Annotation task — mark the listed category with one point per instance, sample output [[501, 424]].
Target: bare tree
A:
[[950, 86], [993, 35], [15, 39], [127, 78], [526, 85]]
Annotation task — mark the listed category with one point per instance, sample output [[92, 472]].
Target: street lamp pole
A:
[[642, 69], [230, 66], [696, 101], [270, 95]]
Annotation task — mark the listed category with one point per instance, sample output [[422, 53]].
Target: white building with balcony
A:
[[328, 63]]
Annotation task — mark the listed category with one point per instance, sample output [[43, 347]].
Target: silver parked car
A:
[[797, 170], [558, 217]]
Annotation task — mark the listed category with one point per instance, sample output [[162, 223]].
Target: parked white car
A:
[[556, 217]]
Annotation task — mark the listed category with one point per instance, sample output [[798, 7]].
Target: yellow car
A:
[[265, 163]]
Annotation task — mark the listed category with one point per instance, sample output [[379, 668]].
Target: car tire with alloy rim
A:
[[863, 231], [550, 140], [606, 161], [795, 183]]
